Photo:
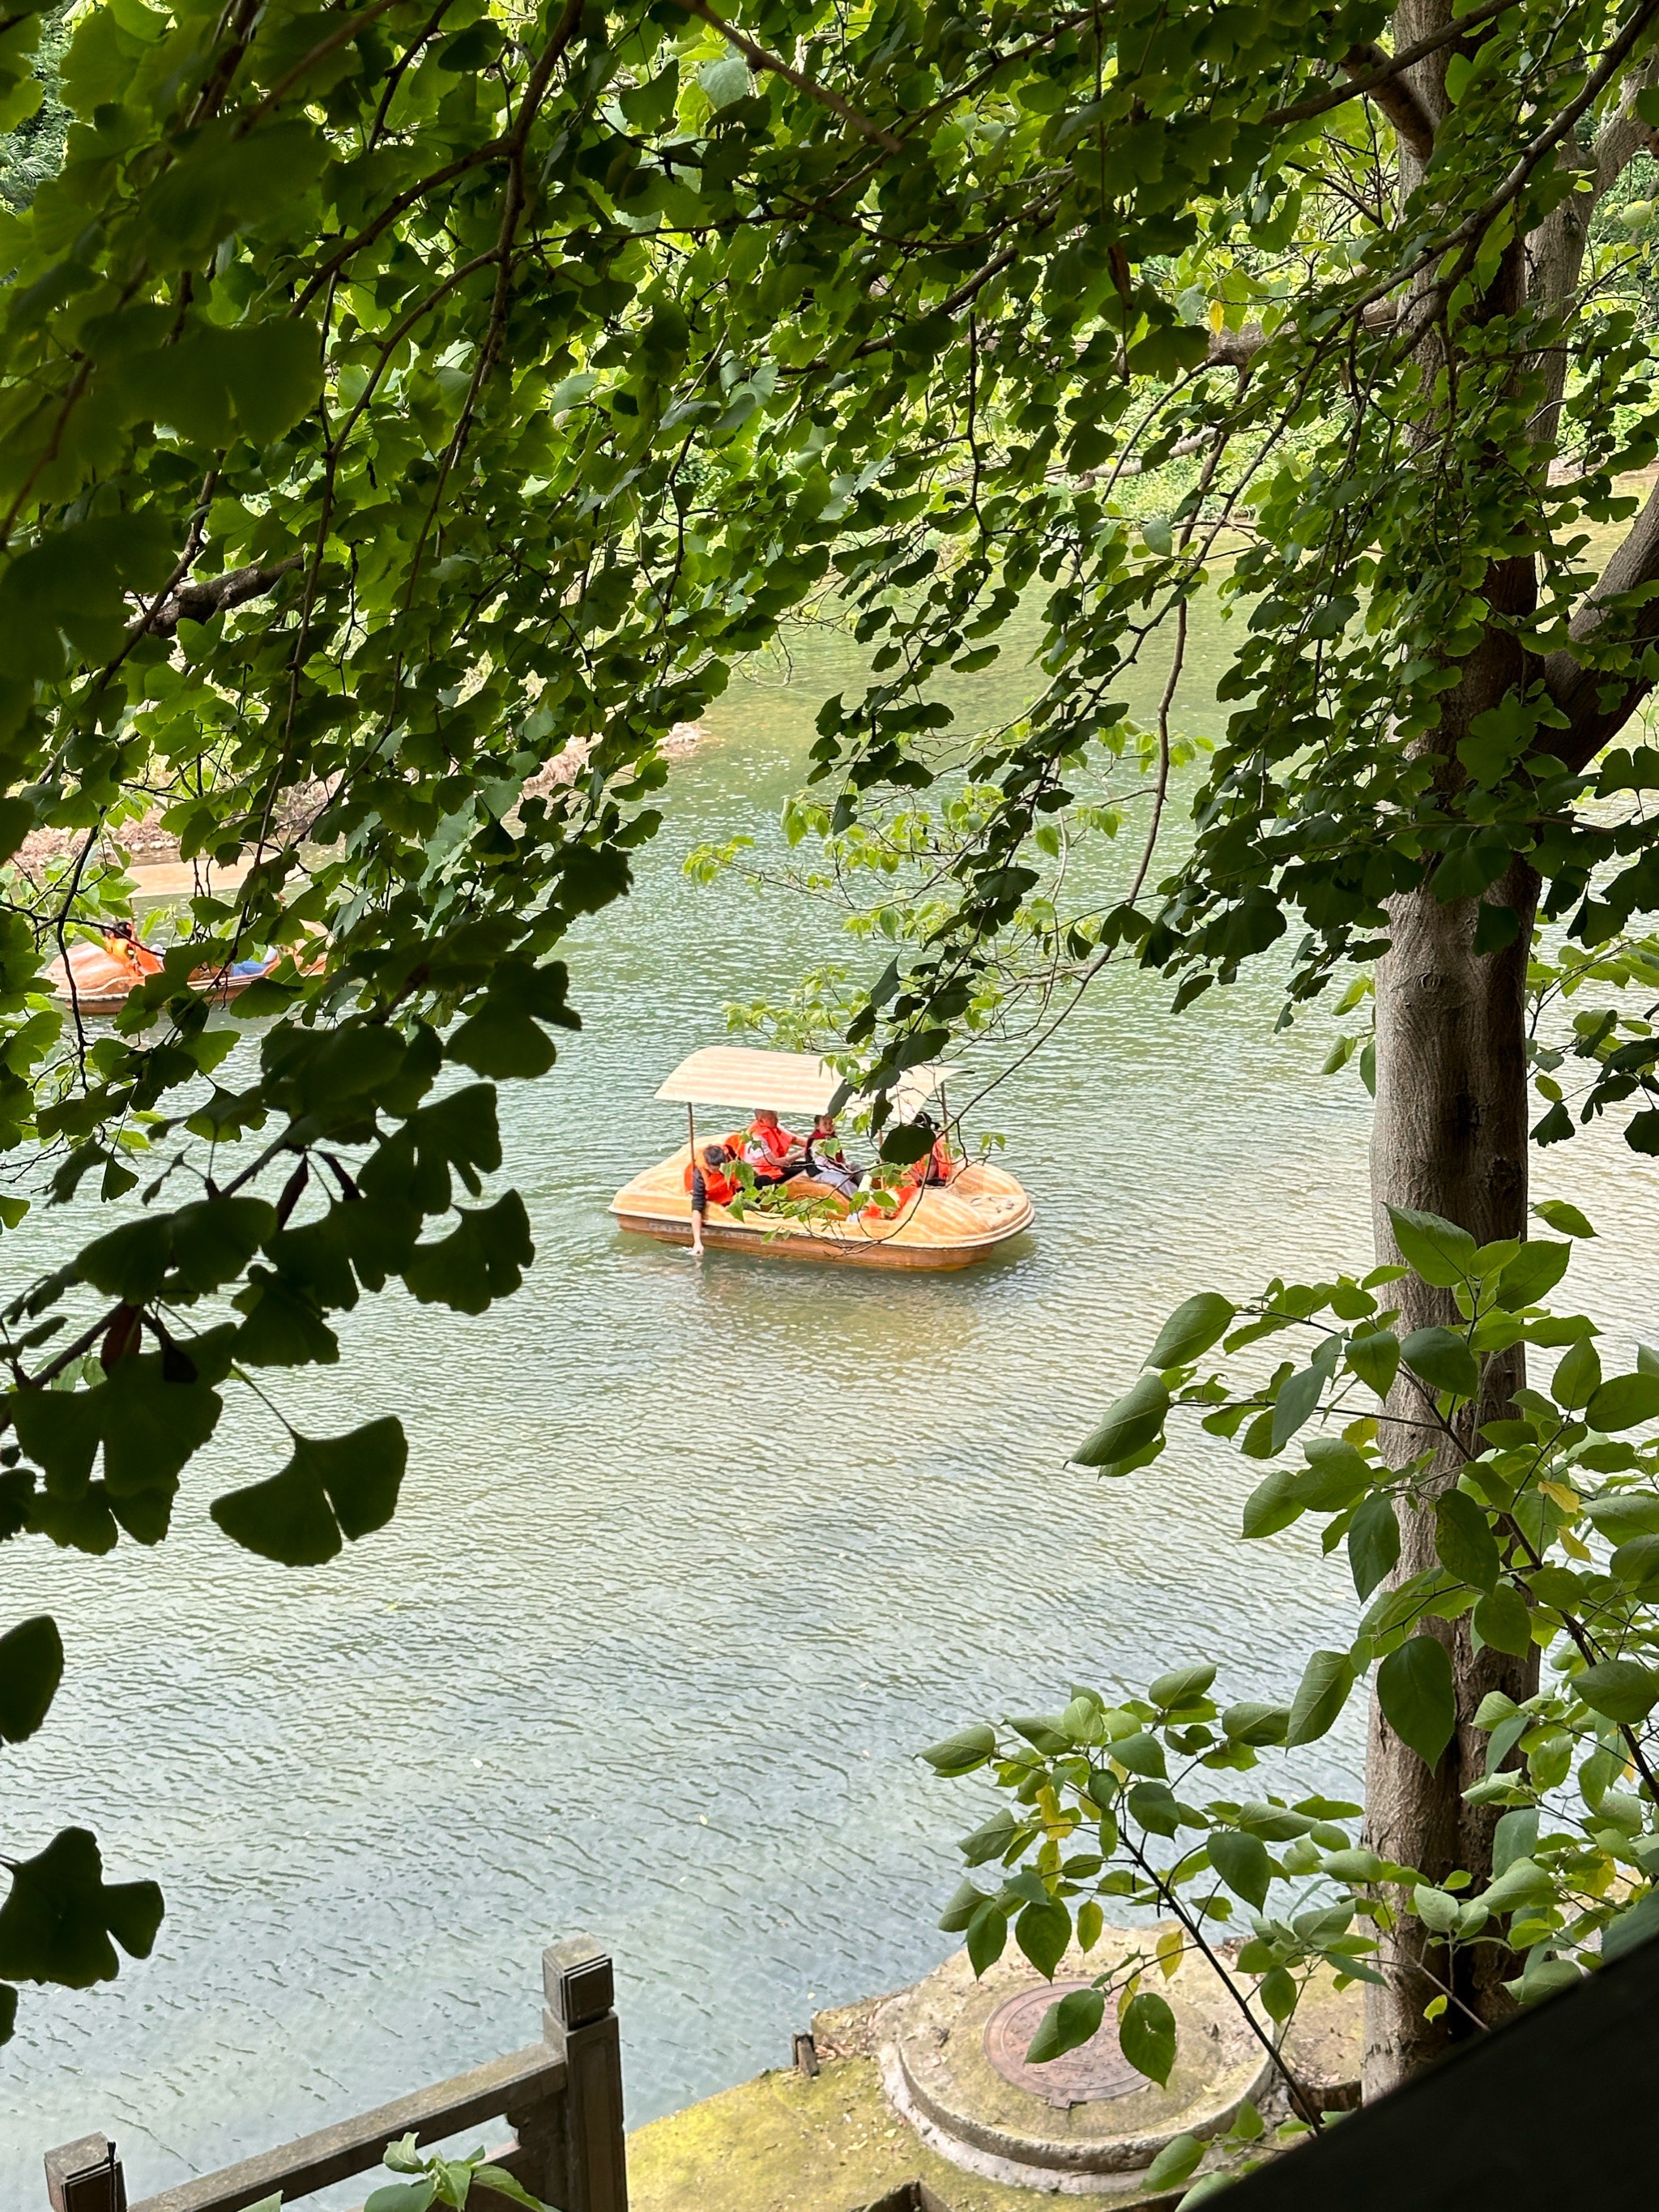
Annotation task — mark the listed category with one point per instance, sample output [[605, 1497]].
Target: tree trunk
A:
[[1450, 1137]]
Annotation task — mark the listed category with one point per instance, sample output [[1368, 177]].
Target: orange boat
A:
[[934, 1225], [99, 979]]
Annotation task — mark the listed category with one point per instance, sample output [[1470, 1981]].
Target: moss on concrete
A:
[[783, 2143]]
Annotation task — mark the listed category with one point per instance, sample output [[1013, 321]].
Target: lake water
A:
[[691, 1561]]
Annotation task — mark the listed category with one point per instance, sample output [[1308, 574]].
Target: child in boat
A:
[[710, 1182], [769, 1150], [825, 1161]]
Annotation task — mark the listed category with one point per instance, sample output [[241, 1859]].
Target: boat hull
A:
[[980, 1211]]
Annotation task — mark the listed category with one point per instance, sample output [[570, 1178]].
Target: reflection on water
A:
[[691, 1561]]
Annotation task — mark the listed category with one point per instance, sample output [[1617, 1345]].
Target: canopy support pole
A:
[[691, 1130]]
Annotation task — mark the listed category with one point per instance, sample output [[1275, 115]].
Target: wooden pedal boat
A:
[[95, 981], [936, 1226]]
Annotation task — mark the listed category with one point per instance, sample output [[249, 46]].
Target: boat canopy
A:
[[797, 1082]]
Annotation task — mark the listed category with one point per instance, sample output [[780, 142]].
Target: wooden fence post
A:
[[85, 2176], [581, 2017]]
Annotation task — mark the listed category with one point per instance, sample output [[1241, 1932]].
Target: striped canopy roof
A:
[[790, 1083]]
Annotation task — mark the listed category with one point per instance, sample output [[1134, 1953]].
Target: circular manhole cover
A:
[[1093, 2072]]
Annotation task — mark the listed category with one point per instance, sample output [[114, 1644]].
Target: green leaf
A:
[[1278, 1992], [151, 1426], [404, 2196], [214, 1240], [1130, 1424], [1533, 1274], [1623, 1402], [1437, 1249], [1141, 1753], [1323, 1690], [60, 1914], [987, 1936], [1562, 1217], [1415, 1690], [275, 372], [1373, 1543], [483, 1259], [1523, 1882], [725, 80], [1191, 1330], [1621, 1689], [1176, 2162], [990, 1840], [1503, 1620], [1375, 1358], [332, 1488], [1242, 1862], [1272, 1506], [1464, 1540], [1181, 1686], [498, 2179], [1515, 1837], [962, 1906], [286, 1518], [1443, 1359], [961, 1753], [1254, 1722], [1436, 1908], [1295, 1401], [130, 1263], [1067, 2026], [1576, 1375], [31, 1668], [1147, 2036]]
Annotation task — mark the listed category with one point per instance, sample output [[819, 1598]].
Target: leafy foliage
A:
[[1546, 1532], [436, 2180], [400, 400]]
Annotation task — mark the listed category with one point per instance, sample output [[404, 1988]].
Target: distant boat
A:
[[934, 1225], [100, 978]]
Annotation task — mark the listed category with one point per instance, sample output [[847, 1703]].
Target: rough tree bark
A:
[[1450, 1137]]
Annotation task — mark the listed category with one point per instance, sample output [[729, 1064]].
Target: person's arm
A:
[[699, 1205]]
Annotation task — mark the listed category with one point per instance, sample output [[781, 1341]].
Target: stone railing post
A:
[[85, 2176], [581, 2019]]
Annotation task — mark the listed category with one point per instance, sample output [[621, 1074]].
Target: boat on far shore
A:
[[98, 978]]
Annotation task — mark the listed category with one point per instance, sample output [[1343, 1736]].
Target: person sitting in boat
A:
[[711, 1183], [122, 942], [937, 1165], [768, 1150], [825, 1161]]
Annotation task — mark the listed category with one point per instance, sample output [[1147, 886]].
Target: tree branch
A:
[[1371, 80], [199, 599], [758, 57], [1596, 703], [1387, 89]]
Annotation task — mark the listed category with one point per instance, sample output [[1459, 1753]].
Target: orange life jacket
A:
[[765, 1147], [938, 1167], [719, 1189], [127, 950]]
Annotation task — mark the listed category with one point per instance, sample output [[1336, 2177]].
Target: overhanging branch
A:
[[1597, 704], [758, 57], [198, 600], [1387, 89], [1371, 79]]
